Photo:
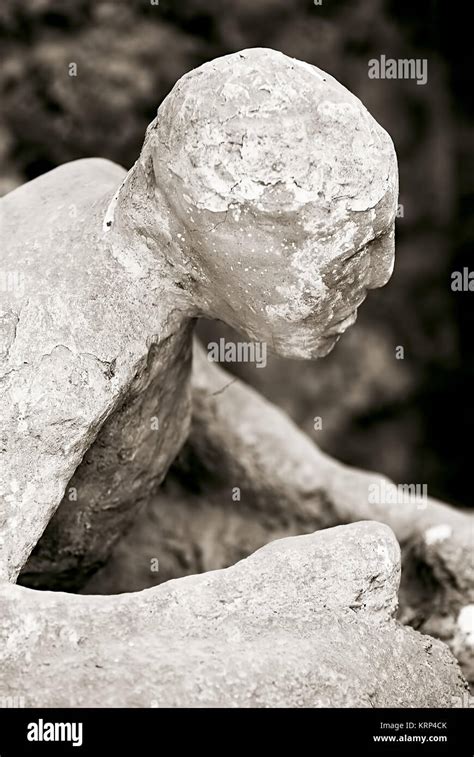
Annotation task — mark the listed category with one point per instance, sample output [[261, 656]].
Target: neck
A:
[[143, 229]]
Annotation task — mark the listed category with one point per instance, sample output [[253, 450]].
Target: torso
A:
[[88, 352]]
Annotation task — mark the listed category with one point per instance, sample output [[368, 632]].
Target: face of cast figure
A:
[[283, 287]]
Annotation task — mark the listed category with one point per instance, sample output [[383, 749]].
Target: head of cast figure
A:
[[283, 189]]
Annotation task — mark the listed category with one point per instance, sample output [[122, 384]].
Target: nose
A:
[[382, 260]]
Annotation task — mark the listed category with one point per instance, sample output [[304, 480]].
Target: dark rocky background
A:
[[411, 419]]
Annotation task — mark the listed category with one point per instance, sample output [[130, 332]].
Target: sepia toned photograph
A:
[[236, 365]]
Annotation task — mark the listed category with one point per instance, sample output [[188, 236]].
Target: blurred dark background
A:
[[410, 418]]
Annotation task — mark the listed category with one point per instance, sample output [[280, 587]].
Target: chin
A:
[[324, 346], [307, 349]]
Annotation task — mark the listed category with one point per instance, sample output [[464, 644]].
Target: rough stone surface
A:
[[305, 621], [276, 225], [287, 486], [83, 338]]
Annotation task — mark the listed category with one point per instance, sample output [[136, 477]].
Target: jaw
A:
[[306, 346], [308, 343]]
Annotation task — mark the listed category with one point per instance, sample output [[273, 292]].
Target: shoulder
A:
[[88, 175]]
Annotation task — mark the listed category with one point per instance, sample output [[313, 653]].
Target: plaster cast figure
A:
[[265, 196]]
